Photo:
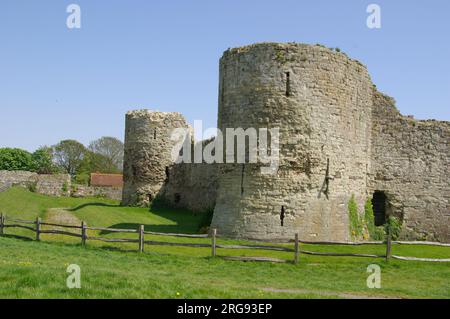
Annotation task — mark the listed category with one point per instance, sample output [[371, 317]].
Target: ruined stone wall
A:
[[321, 101], [147, 155], [192, 186], [15, 178], [114, 193], [52, 185], [411, 164], [149, 171]]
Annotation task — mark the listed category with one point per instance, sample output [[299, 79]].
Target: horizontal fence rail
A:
[[60, 225], [141, 241], [177, 235]]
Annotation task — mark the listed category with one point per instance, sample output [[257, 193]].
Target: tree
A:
[[111, 149], [69, 154], [91, 163], [43, 160], [15, 159]]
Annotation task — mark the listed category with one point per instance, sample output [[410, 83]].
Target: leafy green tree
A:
[[93, 163], [69, 155], [15, 159], [43, 161], [111, 150]]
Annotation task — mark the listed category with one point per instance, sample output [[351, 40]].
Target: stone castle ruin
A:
[[339, 137]]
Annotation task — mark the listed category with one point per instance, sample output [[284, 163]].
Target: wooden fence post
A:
[[83, 233], [213, 244], [38, 229], [297, 250], [141, 238], [388, 244], [2, 222]]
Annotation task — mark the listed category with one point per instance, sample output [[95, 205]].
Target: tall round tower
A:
[[321, 102], [148, 154]]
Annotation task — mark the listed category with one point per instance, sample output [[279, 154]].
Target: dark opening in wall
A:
[[379, 202], [177, 198], [167, 173], [288, 84], [282, 215], [150, 198], [242, 179], [154, 134]]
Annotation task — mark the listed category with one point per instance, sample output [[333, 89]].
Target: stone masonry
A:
[[52, 185], [338, 137], [55, 185]]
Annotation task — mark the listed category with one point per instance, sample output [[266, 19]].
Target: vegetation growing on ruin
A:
[[32, 187], [362, 226], [355, 222], [375, 233], [65, 187], [395, 226], [281, 56]]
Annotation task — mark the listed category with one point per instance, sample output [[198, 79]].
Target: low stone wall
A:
[[52, 185], [15, 178], [97, 191]]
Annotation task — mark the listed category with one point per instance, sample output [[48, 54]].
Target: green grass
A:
[[30, 269]]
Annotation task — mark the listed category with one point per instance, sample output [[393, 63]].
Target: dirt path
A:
[[343, 295], [61, 216]]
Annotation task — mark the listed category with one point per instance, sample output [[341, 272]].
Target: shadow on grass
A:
[[153, 228], [92, 204], [111, 248], [181, 221], [24, 238]]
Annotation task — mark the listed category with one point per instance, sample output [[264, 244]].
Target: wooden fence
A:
[[36, 227]]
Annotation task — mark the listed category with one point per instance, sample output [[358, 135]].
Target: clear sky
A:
[[59, 83]]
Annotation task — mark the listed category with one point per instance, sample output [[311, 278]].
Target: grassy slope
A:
[[37, 270]]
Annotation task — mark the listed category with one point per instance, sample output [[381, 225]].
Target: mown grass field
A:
[[30, 269]]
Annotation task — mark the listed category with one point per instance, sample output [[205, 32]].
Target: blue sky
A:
[[57, 83]]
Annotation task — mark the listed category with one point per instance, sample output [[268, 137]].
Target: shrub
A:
[[73, 189], [379, 233], [395, 226], [82, 179], [369, 218], [65, 187], [32, 187]]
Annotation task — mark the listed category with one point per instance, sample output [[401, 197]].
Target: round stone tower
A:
[[148, 154], [321, 102]]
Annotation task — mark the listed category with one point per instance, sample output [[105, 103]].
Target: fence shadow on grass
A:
[[74, 209]]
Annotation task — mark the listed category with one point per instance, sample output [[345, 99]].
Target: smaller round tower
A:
[[148, 154]]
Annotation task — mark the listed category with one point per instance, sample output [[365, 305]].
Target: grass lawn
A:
[[30, 269]]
